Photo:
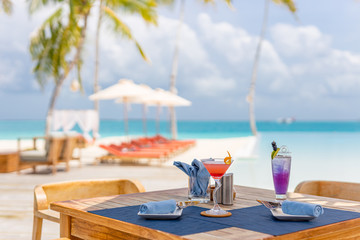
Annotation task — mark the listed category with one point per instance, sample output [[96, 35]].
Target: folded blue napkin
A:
[[300, 208], [199, 176], [162, 207]]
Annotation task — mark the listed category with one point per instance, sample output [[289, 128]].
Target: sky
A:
[[309, 66]]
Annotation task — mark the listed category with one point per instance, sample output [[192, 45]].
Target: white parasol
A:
[[159, 97], [125, 91]]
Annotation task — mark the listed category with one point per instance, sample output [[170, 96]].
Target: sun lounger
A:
[[156, 147]]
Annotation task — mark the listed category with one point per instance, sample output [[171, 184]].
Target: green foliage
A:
[[6, 6], [145, 8], [53, 44], [290, 4], [121, 27], [213, 1]]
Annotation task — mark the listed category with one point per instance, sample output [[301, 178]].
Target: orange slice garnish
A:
[[227, 160]]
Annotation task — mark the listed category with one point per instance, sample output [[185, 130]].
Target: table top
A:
[[245, 197]]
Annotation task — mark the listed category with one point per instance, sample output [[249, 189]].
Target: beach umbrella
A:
[[124, 91], [138, 99], [159, 97]]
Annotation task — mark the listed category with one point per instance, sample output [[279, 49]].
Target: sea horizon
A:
[[13, 129]]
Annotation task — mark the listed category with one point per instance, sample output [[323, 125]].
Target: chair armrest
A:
[[34, 141], [40, 198]]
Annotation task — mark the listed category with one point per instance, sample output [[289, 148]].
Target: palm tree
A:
[[250, 98], [174, 67], [107, 9], [6, 6], [57, 45]]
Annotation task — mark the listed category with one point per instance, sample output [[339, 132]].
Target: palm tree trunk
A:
[[251, 95], [96, 73], [62, 78], [174, 72]]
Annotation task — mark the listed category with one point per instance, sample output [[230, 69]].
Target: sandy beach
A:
[[16, 197]]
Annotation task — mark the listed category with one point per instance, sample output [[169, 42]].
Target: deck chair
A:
[[62, 191], [50, 156], [332, 189], [67, 150]]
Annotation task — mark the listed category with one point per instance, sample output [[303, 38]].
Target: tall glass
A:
[[216, 168], [281, 165]]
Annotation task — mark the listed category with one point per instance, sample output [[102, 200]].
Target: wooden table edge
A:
[[110, 222], [124, 226]]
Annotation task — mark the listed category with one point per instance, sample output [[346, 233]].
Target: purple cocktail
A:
[[281, 173]]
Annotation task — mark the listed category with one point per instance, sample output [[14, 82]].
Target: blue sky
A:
[[309, 69]]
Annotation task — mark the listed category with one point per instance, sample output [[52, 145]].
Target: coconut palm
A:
[[250, 98], [107, 9], [175, 61], [56, 46], [6, 6]]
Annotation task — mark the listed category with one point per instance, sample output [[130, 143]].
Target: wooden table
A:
[[77, 223], [9, 161]]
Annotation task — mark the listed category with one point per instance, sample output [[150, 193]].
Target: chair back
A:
[[62, 191], [332, 189], [55, 147], [69, 146]]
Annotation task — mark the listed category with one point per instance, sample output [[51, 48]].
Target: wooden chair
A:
[[49, 156], [332, 189], [62, 191], [67, 151]]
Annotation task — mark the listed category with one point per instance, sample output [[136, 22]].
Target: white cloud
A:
[[213, 85], [122, 60], [306, 41], [298, 63], [316, 68], [238, 48]]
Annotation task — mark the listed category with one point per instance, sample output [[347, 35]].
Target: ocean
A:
[[12, 129], [320, 150]]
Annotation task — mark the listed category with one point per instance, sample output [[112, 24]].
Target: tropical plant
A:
[[107, 10], [251, 96], [175, 61], [56, 46], [6, 6]]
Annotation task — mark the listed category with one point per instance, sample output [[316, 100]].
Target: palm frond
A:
[[145, 8], [50, 46], [121, 27], [290, 4], [7, 6], [37, 4]]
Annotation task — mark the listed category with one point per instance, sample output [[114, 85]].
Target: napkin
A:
[[199, 176], [162, 207], [300, 208]]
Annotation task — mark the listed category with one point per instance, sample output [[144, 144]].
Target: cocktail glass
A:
[[281, 165], [216, 168]]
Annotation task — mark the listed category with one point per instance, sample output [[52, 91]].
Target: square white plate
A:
[[278, 214], [176, 214]]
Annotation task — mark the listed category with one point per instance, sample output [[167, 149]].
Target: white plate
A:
[[278, 214], [176, 214]]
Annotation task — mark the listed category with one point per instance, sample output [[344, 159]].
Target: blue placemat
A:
[[256, 218], [184, 225]]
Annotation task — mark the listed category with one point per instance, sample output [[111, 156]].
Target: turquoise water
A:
[[320, 150], [332, 155], [11, 129]]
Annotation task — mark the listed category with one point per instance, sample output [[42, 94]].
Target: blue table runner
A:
[[256, 218]]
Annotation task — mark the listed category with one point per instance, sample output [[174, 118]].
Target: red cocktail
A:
[[216, 167]]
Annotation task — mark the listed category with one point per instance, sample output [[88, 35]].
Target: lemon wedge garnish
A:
[[274, 153], [227, 160]]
